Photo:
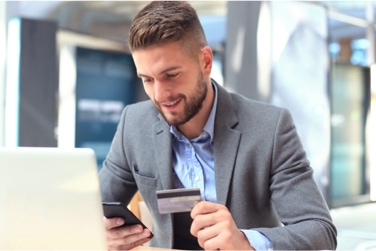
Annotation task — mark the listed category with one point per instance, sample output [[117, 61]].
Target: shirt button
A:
[[197, 178]]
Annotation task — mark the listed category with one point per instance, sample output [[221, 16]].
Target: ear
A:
[[206, 60]]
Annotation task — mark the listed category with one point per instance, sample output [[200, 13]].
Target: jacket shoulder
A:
[[144, 110], [249, 109]]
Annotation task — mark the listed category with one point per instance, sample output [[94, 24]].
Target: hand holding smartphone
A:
[[118, 209]]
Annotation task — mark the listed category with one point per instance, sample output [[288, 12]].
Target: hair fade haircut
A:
[[161, 22]]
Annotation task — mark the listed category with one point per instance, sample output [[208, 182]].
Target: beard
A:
[[193, 104]]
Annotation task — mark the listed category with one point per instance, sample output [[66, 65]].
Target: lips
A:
[[171, 103]]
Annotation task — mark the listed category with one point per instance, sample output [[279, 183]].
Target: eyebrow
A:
[[164, 71]]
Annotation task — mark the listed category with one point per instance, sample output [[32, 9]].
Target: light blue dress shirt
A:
[[193, 163]]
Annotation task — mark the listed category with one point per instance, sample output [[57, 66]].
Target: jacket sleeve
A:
[[300, 206], [115, 177]]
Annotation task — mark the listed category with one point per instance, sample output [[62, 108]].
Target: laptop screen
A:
[[50, 199]]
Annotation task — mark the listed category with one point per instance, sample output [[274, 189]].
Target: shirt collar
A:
[[209, 126]]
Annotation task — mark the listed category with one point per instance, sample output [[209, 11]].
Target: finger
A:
[[130, 246], [123, 237], [227, 240], [110, 223], [124, 231], [221, 218], [224, 236], [203, 235], [217, 240], [204, 207]]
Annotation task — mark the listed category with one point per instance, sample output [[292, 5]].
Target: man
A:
[[245, 156]]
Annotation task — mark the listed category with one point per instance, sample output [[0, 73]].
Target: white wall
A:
[[3, 24]]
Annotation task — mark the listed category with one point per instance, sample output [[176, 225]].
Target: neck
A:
[[194, 127]]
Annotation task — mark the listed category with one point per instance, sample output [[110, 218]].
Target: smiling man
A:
[[167, 73], [244, 156]]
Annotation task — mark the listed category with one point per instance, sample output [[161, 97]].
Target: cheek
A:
[[148, 90]]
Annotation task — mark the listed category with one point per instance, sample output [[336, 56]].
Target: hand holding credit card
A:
[[177, 200]]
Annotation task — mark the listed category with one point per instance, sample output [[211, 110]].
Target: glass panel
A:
[[105, 84], [348, 146]]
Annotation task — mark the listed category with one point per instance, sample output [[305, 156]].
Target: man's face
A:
[[174, 82]]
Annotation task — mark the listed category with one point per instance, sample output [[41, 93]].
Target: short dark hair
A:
[[161, 22]]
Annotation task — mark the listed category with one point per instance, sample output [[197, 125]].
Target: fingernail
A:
[[137, 229], [119, 221], [146, 234]]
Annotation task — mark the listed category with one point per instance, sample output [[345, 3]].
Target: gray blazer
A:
[[261, 172]]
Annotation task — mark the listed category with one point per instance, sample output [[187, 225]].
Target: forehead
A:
[[158, 58]]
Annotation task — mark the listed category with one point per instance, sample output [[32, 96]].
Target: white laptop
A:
[[50, 200]]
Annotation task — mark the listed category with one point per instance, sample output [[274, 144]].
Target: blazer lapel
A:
[[225, 138], [226, 143], [163, 152], [163, 155]]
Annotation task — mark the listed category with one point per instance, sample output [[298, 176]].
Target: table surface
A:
[[145, 248]]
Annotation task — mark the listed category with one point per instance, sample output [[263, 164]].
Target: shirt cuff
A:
[[257, 240]]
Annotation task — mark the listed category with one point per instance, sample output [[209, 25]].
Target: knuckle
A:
[[226, 237]]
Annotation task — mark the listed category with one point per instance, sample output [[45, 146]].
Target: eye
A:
[[172, 75], [146, 80]]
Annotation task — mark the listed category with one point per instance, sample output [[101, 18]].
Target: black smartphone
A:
[[118, 209]]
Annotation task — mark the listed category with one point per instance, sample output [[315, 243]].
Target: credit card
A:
[[177, 200]]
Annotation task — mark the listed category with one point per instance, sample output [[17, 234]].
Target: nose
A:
[[161, 91]]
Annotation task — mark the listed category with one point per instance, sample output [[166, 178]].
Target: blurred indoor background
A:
[[66, 74]]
